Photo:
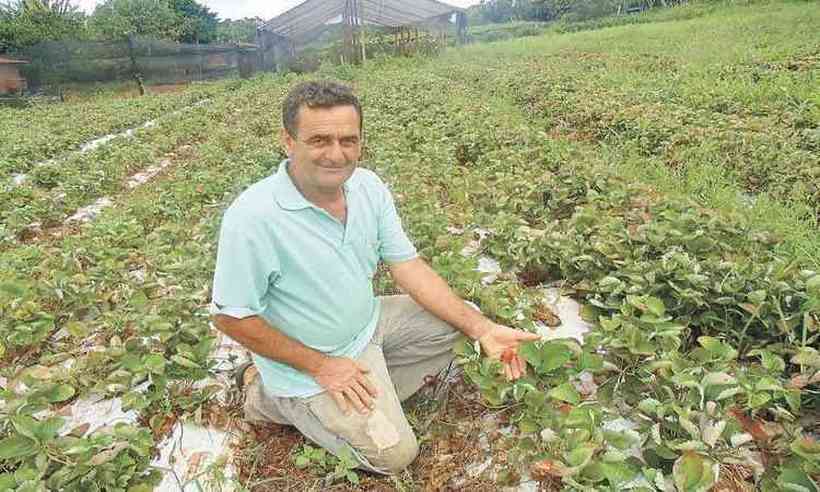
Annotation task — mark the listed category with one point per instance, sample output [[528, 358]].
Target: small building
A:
[[11, 80]]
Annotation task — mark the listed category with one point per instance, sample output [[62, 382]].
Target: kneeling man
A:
[[293, 284]]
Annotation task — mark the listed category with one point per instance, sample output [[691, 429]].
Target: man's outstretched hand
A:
[[347, 383], [502, 343]]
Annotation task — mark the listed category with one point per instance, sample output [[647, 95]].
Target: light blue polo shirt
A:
[[310, 276]]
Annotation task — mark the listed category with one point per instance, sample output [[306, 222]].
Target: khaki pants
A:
[[409, 344]]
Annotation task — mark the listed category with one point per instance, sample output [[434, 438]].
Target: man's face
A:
[[326, 147]]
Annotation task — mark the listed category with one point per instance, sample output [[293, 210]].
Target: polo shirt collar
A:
[[288, 195]]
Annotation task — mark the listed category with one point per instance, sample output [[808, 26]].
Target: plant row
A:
[[119, 309], [44, 131], [54, 190]]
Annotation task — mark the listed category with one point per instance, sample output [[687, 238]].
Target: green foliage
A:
[[185, 21], [236, 31], [334, 468], [509, 10], [45, 457], [25, 23], [198, 23], [118, 19]]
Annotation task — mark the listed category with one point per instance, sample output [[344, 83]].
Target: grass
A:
[[660, 104]]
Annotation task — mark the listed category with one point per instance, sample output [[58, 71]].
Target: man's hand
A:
[[347, 383], [501, 342]]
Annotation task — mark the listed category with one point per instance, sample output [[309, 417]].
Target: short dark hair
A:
[[317, 94]]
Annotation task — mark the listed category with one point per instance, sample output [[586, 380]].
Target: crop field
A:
[[664, 174]]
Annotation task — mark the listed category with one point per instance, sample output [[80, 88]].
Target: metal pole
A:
[[361, 28]]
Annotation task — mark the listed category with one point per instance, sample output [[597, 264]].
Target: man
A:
[[293, 284]]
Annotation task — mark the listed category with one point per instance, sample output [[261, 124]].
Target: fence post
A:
[[135, 72]]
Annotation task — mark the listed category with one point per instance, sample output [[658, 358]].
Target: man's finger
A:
[[526, 336], [368, 385], [522, 364], [362, 367], [513, 370], [353, 398], [516, 365], [340, 401], [364, 396]]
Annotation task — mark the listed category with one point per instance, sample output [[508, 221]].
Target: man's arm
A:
[[256, 334], [428, 289], [342, 377], [431, 291]]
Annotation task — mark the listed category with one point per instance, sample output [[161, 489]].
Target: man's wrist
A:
[[482, 328], [315, 362]]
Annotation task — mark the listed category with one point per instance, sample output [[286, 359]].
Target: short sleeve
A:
[[246, 264], [395, 246]]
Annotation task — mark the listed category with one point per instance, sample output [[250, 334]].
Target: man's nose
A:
[[336, 152]]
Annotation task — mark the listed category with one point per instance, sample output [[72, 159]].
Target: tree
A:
[[197, 23], [25, 23], [118, 19], [237, 31], [532, 10]]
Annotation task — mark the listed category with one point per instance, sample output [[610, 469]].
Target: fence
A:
[[149, 60]]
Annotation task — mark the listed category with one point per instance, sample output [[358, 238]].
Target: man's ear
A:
[[287, 141]]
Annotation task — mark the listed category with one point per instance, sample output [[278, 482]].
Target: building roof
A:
[[11, 61], [301, 22]]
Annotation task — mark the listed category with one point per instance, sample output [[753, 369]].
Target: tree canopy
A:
[[27, 22]]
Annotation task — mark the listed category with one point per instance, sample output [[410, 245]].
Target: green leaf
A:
[[807, 448], [813, 285], [17, 447], [796, 480], [655, 306], [649, 405], [618, 473], [7, 481], [693, 473], [793, 399], [464, 347], [717, 379], [25, 425], [590, 362], [580, 456], [77, 329], [807, 356], [648, 304], [47, 429], [565, 392], [772, 362], [717, 348], [155, 363], [553, 356], [61, 392], [184, 362], [529, 351], [768, 384], [141, 488], [757, 297], [527, 426]]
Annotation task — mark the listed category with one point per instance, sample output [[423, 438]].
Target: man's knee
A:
[[396, 458]]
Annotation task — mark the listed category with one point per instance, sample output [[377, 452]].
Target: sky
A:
[[266, 9]]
